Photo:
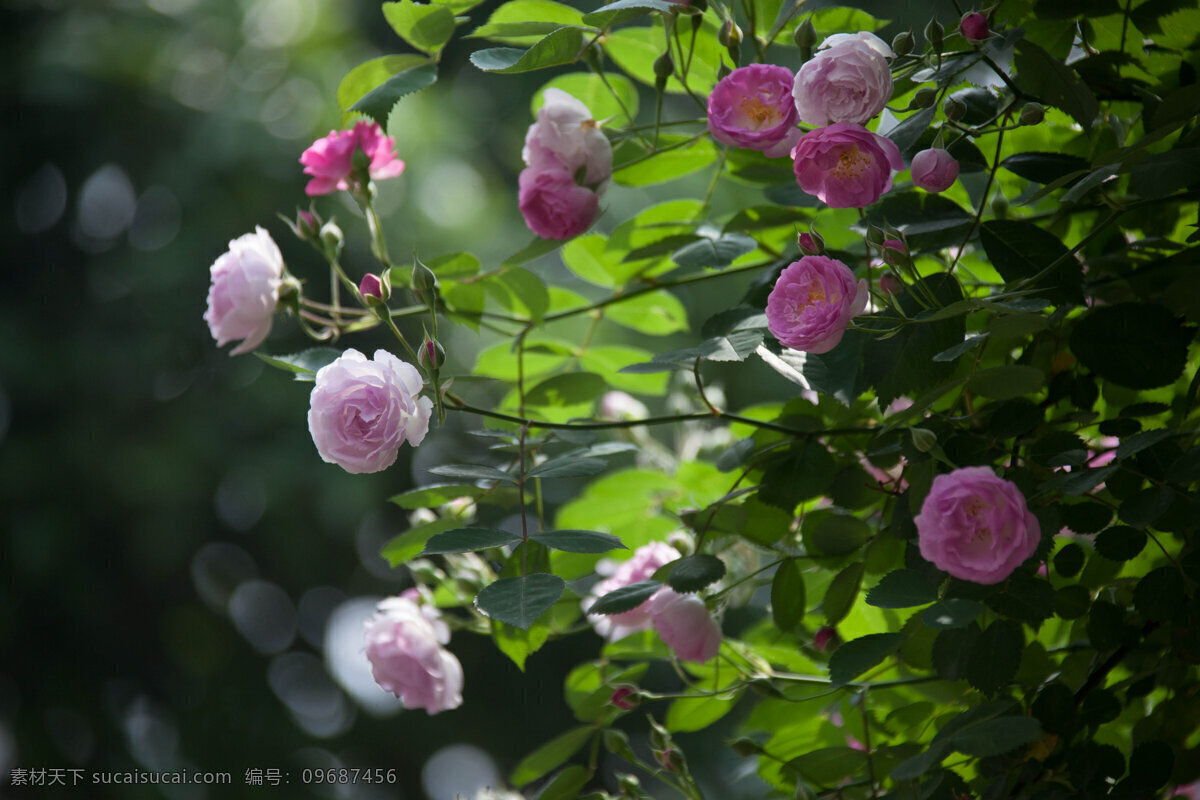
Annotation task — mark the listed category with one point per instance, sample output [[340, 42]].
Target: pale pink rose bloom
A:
[[752, 107], [845, 166], [361, 411], [974, 27], [244, 291], [565, 138], [976, 526], [848, 80], [404, 645], [683, 622], [934, 170], [644, 562], [330, 160], [553, 205], [812, 303]]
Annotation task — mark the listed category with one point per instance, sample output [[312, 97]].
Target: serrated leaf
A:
[[828, 766], [563, 46], [435, 495], [834, 534], [843, 589], [510, 22], [573, 541], [405, 546], [427, 27], [955, 612], [468, 540], [1019, 249], [856, 656], [306, 363], [995, 656], [626, 598], [473, 472], [993, 737], [624, 10], [1007, 381], [1043, 76], [719, 252], [903, 588], [368, 76], [1045, 167], [379, 102], [787, 595], [519, 601], [693, 573], [519, 644], [567, 467], [736, 346], [1136, 345]]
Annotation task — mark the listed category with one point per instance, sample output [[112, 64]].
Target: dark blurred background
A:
[[184, 581]]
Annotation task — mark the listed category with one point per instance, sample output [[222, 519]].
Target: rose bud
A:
[[934, 170], [373, 290], [811, 244], [974, 27]]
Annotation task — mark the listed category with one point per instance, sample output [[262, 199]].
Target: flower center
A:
[[974, 509], [757, 114], [852, 163]]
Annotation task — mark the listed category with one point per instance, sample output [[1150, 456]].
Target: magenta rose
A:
[[565, 138], [644, 562], [845, 166], [976, 526], [361, 411], [848, 80], [974, 27], [244, 291], [812, 303], [554, 206], [684, 623], [330, 161], [404, 645], [934, 170], [752, 107]]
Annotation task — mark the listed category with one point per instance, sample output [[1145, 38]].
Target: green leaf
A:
[[696, 713], [954, 612], [635, 48], [528, 289], [687, 154], [828, 766], [425, 27], [435, 495], [606, 101], [567, 390], [1025, 598], [566, 785], [624, 10], [408, 544], [657, 313], [504, 23], [567, 467], [918, 765], [801, 473], [1160, 594], [995, 656], [1044, 76], [788, 600], [474, 472], [519, 644], [903, 588], [1162, 174], [1045, 167], [573, 541], [468, 540], [586, 257], [1007, 382], [953, 353], [626, 598], [834, 534], [856, 656], [843, 589], [719, 252], [519, 601], [370, 75], [306, 363], [378, 103], [1136, 345], [451, 266], [993, 737], [1019, 249], [693, 573], [536, 249], [550, 755], [928, 221], [563, 46]]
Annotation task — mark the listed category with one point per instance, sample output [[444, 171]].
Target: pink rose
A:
[[644, 562], [974, 27], [934, 170], [976, 526], [331, 160], [565, 138], [371, 286], [848, 80], [361, 411], [554, 206], [683, 622], [404, 645], [845, 166], [752, 107], [812, 303], [824, 638], [244, 291]]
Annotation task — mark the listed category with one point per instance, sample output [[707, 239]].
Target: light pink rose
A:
[[554, 206], [644, 562], [848, 80], [330, 161], [361, 411], [244, 291], [974, 27], [934, 170], [565, 138], [404, 645], [976, 526], [752, 107], [683, 622], [812, 303], [845, 166]]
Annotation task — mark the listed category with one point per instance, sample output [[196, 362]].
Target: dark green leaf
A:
[[906, 133], [995, 736], [567, 467], [1099, 706], [435, 495], [952, 353], [995, 656], [1160, 594], [800, 474], [426, 27], [1069, 560], [736, 346], [1025, 598], [1151, 764], [1162, 174], [835, 534], [520, 601], [550, 755], [408, 544], [928, 221], [379, 102], [467, 540], [1055, 708], [306, 363], [828, 766], [563, 46], [1137, 345], [1185, 469], [1020, 250], [1120, 543], [843, 589], [1086, 518], [473, 472], [1008, 381], [952, 650], [572, 541], [838, 373], [1043, 76], [693, 573], [1143, 508], [626, 598], [787, 595], [1044, 167], [624, 10], [566, 785], [719, 252], [856, 656], [903, 588], [368, 76], [1141, 441], [1071, 602], [955, 612], [918, 765]]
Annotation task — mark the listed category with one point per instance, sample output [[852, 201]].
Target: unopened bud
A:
[[923, 439], [423, 279], [811, 243], [629, 785], [805, 35], [890, 284], [431, 355], [892, 248], [746, 747], [1000, 206], [624, 698], [332, 238], [663, 67], [1032, 114], [306, 226], [934, 34], [373, 290], [924, 98], [825, 638], [670, 759], [974, 27], [682, 541], [902, 43], [954, 108]]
